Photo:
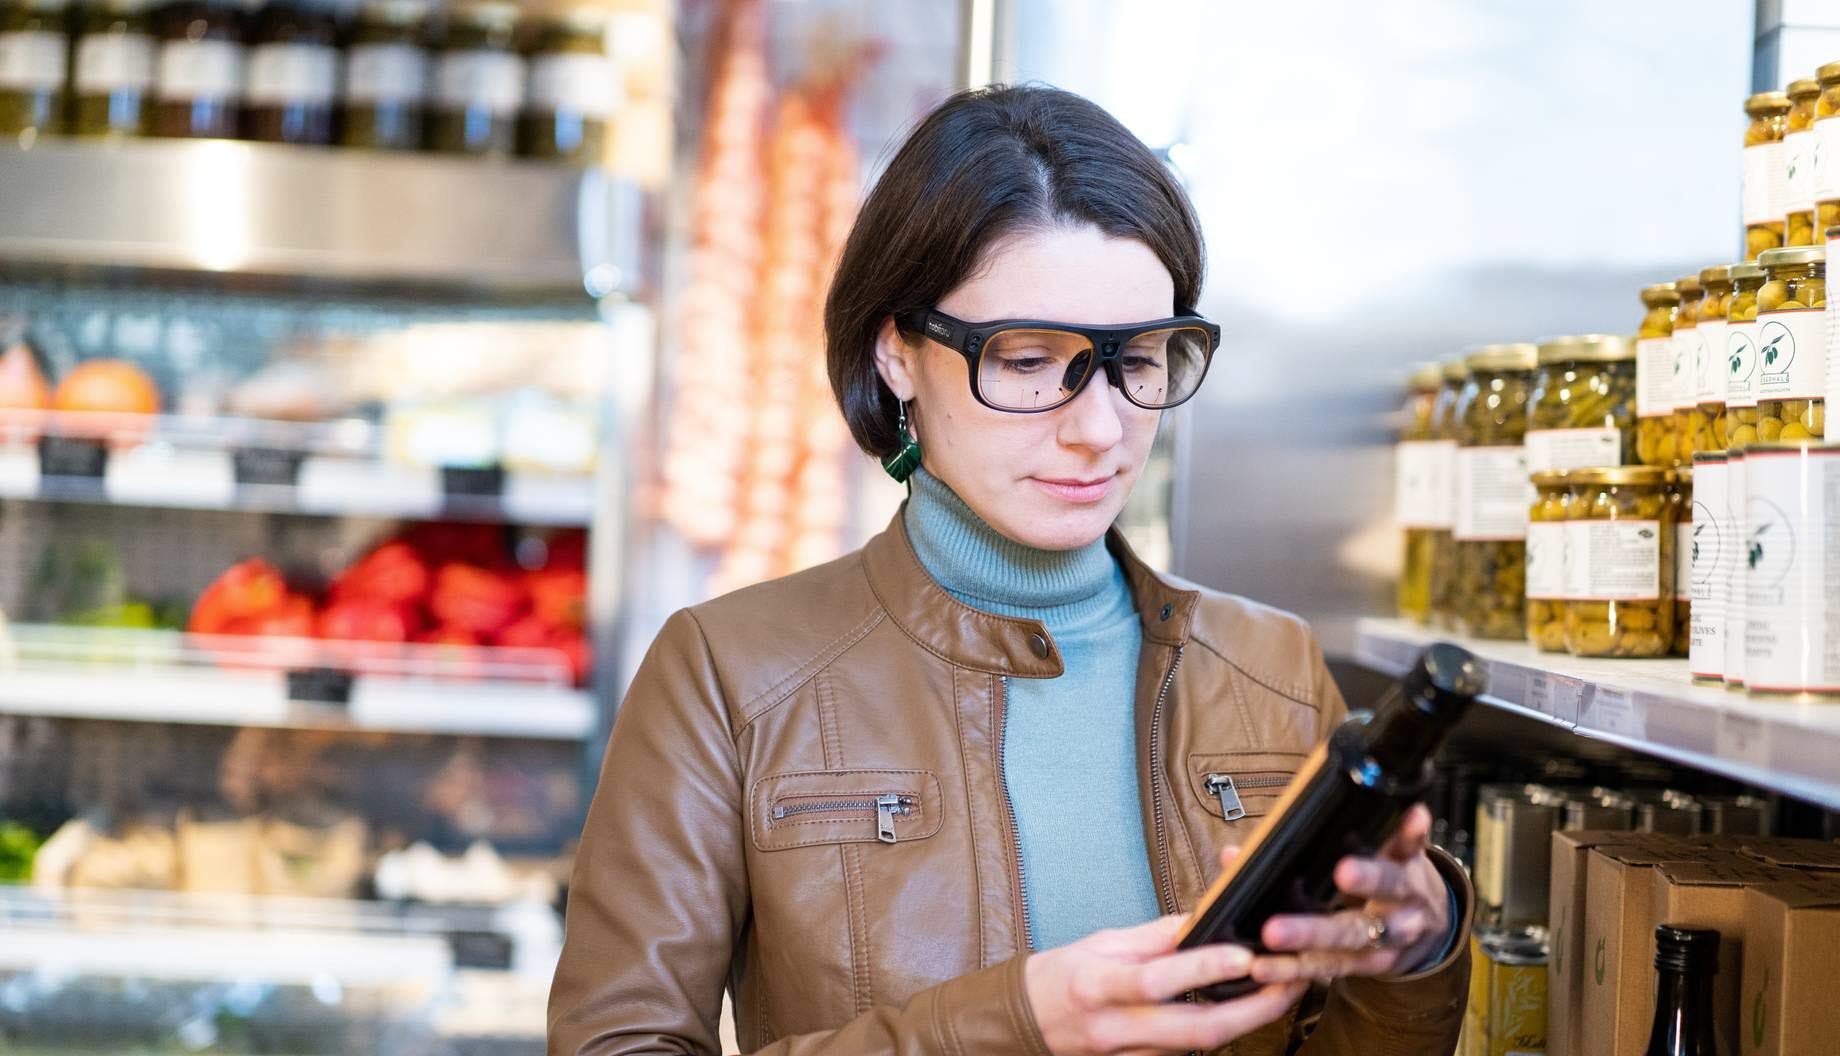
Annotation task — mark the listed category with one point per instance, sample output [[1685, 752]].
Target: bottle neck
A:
[[1683, 1014]]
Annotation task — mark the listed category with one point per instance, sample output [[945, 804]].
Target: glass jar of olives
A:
[[1655, 444], [1686, 348], [1765, 177], [1546, 561], [1581, 409], [386, 76], [1827, 138], [1792, 344], [1680, 501], [198, 76], [1709, 358], [1620, 599], [1798, 164], [293, 75], [1419, 488], [33, 64], [113, 76], [1740, 366], [573, 90], [1444, 432], [1493, 492], [478, 81]]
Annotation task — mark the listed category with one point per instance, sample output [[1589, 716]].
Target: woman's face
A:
[[1054, 480]]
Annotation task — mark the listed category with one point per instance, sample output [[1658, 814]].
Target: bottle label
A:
[[386, 73], [114, 62], [1550, 449], [1826, 160], [292, 74], [1733, 559], [1709, 353], [1706, 556], [1798, 171], [1765, 184], [1421, 484], [1546, 561], [32, 61], [1741, 365], [1613, 560], [1792, 571], [1492, 494], [574, 83], [488, 80], [1654, 377], [1792, 354], [200, 69]]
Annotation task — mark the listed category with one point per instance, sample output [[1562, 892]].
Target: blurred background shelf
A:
[[1650, 706]]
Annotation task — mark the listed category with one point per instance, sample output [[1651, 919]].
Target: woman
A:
[[925, 798]]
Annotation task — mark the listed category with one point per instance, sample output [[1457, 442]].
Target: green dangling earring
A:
[[906, 458]]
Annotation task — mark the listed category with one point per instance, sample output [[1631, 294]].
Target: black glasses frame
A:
[[970, 339]]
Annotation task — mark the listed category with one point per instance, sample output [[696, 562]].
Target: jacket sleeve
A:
[[659, 897], [1406, 1015]]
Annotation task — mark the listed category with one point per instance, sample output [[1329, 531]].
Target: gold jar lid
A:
[[1680, 475], [1802, 88], [1456, 369], [1689, 287], [1586, 348], [1767, 104], [1745, 271], [1792, 256], [1503, 357], [1828, 73], [1611, 476], [1550, 478], [1426, 376], [1717, 274], [1660, 295], [492, 14]]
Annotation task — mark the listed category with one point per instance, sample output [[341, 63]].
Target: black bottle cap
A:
[[1446, 680], [1686, 949]]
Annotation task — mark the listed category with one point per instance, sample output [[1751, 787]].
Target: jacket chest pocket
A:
[[823, 807], [1236, 785]]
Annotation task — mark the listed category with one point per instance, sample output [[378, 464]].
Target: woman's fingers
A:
[[1382, 879], [1227, 854], [1162, 978], [1179, 1028], [1412, 836], [1322, 964], [1350, 931]]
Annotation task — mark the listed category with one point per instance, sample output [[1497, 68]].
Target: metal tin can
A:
[[1735, 815], [1514, 825], [1707, 543], [1615, 812], [1512, 1019], [1791, 557], [1676, 815]]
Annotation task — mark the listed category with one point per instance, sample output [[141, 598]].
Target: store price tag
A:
[[1554, 695], [155, 476], [1508, 682], [1744, 739], [1613, 711]]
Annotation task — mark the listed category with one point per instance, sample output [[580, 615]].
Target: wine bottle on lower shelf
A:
[[1685, 961], [1346, 799]]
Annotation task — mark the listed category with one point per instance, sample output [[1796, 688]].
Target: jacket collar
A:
[[1004, 645]]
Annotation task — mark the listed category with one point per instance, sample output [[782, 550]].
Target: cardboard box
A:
[[1565, 931], [1792, 957], [1813, 855], [1615, 1009], [1706, 895]]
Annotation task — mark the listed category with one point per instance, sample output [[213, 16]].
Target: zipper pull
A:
[[885, 808], [1221, 785]]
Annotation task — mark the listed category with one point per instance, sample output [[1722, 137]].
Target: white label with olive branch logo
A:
[[1792, 354], [1709, 354], [1422, 483], [1791, 556], [1493, 494], [1765, 184], [1798, 170], [1546, 561], [1686, 355], [1741, 365], [1654, 377], [1614, 560], [1706, 560]]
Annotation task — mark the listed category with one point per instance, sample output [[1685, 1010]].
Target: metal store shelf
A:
[[1649, 705]]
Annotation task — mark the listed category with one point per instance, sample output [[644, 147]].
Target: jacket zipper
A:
[[1226, 789], [1009, 806], [1167, 883], [885, 807]]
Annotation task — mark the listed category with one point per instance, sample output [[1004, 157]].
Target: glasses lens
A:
[[1032, 370], [1161, 368]]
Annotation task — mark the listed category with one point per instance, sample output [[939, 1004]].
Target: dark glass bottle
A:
[[34, 58], [478, 82], [1346, 799], [573, 90], [198, 82], [386, 76], [293, 73], [112, 80], [1686, 959]]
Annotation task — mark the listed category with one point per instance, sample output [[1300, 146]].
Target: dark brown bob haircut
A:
[[988, 164]]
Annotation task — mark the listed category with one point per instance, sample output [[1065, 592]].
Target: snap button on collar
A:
[[1168, 611], [1039, 645]]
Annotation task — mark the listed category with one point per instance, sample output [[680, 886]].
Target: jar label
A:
[[1654, 376], [1683, 562], [1573, 448], [1733, 558], [1792, 354], [32, 61], [1765, 184], [114, 62], [1792, 583], [489, 80], [1826, 160], [200, 69], [1546, 561], [1421, 484], [574, 83], [1798, 171], [292, 74], [1706, 556], [1708, 372], [386, 73], [1685, 347], [1492, 494], [1741, 365], [1613, 560]]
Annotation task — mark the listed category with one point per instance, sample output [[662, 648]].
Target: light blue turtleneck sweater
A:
[[1069, 743]]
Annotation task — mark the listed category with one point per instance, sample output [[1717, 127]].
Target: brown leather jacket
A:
[[845, 929]]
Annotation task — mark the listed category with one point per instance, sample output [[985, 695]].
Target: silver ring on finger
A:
[[1376, 931]]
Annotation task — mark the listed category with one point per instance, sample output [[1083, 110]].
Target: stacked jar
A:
[[1687, 418], [1709, 354], [33, 69], [1791, 345], [1493, 493], [1419, 491], [1740, 366], [1799, 161], [1655, 443], [1581, 409], [113, 69], [573, 89], [200, 70], [293, 78], [1619, 530], [386, 76], [1444, 433], [1680, 503], [1827, 143], [478, 81], [1792, 557], [1765, 177], [1546, 561]]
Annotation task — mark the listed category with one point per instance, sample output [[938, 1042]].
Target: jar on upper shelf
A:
[[1445, 428], [1765, 174], [1799, 161], [1827, 146], [1740, 367], [386, 76], [34, 68], [112, 73], [574, 89], [199, 73], [1687, 417], [1493, 492], [1418, 492], [1655, 398], [1581, 411], [1709, 353], [1546, 561], [1792, 344], [293, 78], [478, 81]]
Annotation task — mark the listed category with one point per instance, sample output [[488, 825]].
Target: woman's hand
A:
[[1108, 993], [1399, 886]]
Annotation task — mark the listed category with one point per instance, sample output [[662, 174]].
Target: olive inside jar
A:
[[34, 61], [198, 77], [1620, 598], [1546, 561], [1418, 493], [1493, 492], [293, 73], [112, 79], [1655, 443], [1792, 344], [1765, 174], [479, 82], [1687, 418], [1581, 410], [1740, 366], [1827, 136], [1799, 154], [573, 90], [386, 76], [1709, 356], [1444, 432]]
